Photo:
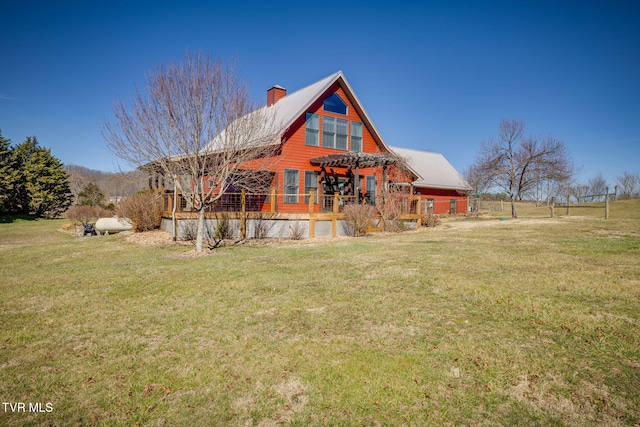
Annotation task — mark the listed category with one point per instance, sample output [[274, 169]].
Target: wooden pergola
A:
[[356, 161]]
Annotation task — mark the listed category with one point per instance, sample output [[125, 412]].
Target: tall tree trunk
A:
[[200, 232]]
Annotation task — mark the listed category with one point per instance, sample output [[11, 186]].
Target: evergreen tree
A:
[[36, 182], [91, 195], [17, 195], [5, 161]]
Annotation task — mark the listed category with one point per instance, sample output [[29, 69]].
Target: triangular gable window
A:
[[334, 104]]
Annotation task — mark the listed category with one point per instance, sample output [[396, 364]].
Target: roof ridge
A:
[[415, 149], [339, 72]]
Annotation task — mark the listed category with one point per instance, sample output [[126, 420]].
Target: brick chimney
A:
[[275, 94]]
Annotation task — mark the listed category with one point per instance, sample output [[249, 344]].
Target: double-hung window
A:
[[310, 183], [356, 137], [371, 190], [334, 133], [291, 183], [312, 129]]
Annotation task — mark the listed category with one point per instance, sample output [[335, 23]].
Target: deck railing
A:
[[277, 202]]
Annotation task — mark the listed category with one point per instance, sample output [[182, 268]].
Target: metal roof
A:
[[433, 169], [292, 106]]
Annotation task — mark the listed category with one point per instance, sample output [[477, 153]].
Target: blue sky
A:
[[432, 75]]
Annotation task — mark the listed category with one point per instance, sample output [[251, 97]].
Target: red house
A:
[[331, 155], [439, 184]]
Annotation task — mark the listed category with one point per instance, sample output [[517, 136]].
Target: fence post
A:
[[312, 220], [568, 198], [336, 203], [243, 215], [312, 194], [606, 205], [553, 207]]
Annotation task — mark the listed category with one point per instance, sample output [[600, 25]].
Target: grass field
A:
[[481, 322]]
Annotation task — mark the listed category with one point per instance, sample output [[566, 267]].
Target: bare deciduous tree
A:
[[628, 185], [196, 125], [515, 162], [474, 177], [597, 187]]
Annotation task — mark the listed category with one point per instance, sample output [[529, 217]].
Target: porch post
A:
[[274, 200], [385, 188], [356, 183], [174, 207]]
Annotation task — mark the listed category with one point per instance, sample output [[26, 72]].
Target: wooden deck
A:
[[241, 209]]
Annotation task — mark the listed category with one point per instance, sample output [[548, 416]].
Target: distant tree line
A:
[[32, 181], [626, 186], [98, 194], [516, 166], [105, 189]]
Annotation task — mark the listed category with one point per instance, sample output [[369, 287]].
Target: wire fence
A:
[[564, 206]]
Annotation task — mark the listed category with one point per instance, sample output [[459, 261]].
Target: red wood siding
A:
[[442, 199], [296, 154]]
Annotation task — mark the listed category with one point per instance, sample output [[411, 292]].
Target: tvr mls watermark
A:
[[41, 407]]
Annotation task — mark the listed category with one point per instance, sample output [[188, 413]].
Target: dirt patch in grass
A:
[[163, 238], [151, 238], [468, 223]]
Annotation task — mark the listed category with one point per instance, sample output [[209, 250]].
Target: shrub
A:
[[430, 220], [263, 224], [143, 209], [224, 230], [395, 225], [86, 214], [358, 218], [297, 231]]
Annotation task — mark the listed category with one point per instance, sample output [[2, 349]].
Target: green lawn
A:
[[532, 321]]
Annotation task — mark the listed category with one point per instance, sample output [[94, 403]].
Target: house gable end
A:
[[314, 97]]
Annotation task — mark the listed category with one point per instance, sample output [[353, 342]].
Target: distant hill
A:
[[115, 185]]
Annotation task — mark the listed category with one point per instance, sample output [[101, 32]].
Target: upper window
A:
[[356, 136], [334, 133], [312, 129], [335, 104]]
